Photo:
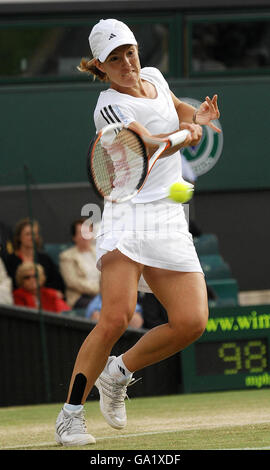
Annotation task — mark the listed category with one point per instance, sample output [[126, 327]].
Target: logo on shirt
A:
[[205, 155]]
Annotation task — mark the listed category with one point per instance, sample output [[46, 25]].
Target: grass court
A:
[[228, 420]]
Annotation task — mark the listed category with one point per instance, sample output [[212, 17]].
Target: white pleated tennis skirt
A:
[[153, 234]]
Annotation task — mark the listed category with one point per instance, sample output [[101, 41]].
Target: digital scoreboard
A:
[[233, 352]]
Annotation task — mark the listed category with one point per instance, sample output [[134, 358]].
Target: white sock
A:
[[69, 407], [118, 370]]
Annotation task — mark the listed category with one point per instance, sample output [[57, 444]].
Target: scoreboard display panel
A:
[[233, 352]]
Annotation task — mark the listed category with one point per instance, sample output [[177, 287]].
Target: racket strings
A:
[[119, 164]]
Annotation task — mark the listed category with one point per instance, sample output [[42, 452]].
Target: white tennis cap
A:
[[107, 35]]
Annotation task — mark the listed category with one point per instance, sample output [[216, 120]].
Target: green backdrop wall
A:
[[48, 127]]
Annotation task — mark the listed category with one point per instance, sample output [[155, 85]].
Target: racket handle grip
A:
[[179, 137]]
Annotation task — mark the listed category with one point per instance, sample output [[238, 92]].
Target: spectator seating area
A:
[[217, 271], [54, 250]]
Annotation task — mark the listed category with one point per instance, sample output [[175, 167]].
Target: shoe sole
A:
[[107, 419], [82, 442]]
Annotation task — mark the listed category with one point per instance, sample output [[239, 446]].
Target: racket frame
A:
[[89, 164], [163, 144]]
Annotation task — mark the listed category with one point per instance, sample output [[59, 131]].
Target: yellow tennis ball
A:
[[181, 192]]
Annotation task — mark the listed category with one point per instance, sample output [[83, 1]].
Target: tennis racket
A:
[[118, 163]]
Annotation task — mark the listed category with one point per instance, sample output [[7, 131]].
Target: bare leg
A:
[[119, 281], [184, 297]]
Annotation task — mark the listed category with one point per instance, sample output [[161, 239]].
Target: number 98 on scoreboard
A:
[[233, 352]]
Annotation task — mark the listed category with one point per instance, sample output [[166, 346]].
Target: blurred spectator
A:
[[94, 307], [78, 266], [31, 279], [5, 286], [24, 251], [6, 246]]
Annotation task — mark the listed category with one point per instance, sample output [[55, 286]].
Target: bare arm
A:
[[192, 139], [184, 110], [207, 112], [189, 118]]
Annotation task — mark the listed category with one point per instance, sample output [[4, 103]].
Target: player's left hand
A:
[[207, 112]]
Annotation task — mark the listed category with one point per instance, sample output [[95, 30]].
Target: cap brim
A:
[[114, 44]]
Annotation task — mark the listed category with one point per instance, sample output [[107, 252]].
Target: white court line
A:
[[103, 438]]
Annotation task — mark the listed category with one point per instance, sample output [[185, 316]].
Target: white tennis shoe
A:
[[70, 429], [112, 398]]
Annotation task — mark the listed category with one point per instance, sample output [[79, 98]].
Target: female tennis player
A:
[[143, 244]]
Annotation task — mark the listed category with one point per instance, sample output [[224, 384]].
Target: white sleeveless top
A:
[[158, 115]]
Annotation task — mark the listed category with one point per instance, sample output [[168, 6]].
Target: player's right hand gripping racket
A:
[[118, 163]]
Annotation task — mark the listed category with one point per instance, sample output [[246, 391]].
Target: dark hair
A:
[[74, 224], [18, 230]]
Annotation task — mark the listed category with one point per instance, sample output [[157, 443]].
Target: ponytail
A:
[[89, 67]]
